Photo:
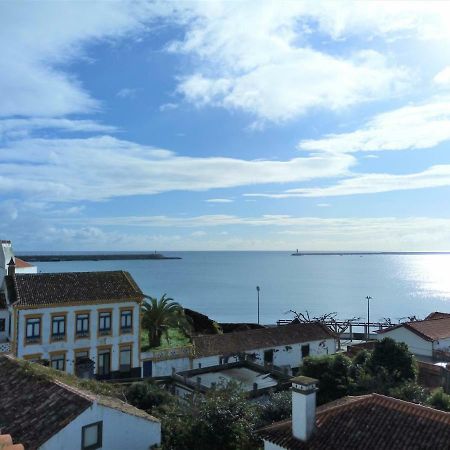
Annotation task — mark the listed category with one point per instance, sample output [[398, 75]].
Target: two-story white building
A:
[[80, 322]]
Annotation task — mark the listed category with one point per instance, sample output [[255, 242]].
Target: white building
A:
[[283, 347], [366, 422], [80, 322], [6, 254], [46, 414], [426, 339]]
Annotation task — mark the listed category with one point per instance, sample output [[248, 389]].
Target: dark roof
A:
[[369, 422], [83, 287], [430, 330], [34, 406], [231, 343], [437, 315]]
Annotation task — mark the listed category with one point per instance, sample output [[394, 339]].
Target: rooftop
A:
[[232, 343], [71, 287], [428, 329], [37, 402], [369, 422], [21, 264]]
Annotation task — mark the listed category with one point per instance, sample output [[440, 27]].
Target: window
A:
[[82, 325], [268, 356], [305, 350], [81, 354], [58, 361], [104, 322], [125, 359], [33, 330], [2, 324], [126, 321], [104, 363], [58, 327], [91, 436]]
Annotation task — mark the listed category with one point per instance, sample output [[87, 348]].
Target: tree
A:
[[147, 396], [160, 315], [223, 419], [278, 406], [333, 373], [395, 359]]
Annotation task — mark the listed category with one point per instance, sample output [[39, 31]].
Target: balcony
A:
[[82, 334], [5, 346], [105, 332]]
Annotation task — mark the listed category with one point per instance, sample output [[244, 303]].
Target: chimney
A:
[[303, 407], [11, 267]]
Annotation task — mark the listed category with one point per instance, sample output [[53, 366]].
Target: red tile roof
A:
[[6, 443], [239, 341], [428, 329], [80, 287], [437, 315], [21, 264], [369, 422]]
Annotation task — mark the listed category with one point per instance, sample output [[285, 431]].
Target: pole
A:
[[368, 298], [257, 290]]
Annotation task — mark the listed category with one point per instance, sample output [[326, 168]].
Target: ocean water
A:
[[223, 284]]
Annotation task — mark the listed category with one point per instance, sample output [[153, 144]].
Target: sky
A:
[[225, 125]]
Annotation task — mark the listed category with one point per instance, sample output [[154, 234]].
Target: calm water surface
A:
[[223, 284]]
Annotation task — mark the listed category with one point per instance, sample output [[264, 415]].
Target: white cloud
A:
[[168, 107], [104, 167], [259, 60], [409, 127], [219, 200], [435, 176], [127, 93], [18, 128], [37, 40], [443, 77]]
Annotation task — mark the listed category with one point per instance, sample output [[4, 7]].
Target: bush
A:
[[439, 400], [333, 373], [410, 392], [277, 407], [147, 396]]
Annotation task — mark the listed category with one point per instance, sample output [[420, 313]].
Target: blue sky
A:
[[225, 125]]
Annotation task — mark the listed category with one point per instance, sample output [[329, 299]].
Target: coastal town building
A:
[[427, 339], [7, 257], [46, 413], [80, 322], [281, 347], [370, 422], [253, 379]]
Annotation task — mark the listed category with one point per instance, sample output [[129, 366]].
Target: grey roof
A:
[[34, 406], [71, 287], [240, 341]]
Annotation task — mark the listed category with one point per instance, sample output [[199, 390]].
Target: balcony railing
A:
[[5, 347]]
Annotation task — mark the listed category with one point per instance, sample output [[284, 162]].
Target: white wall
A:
[[30, 269], [289, 356], [415, 343], [71, 344], [269, 446], [442, 344], [164, 368], [121, 431]]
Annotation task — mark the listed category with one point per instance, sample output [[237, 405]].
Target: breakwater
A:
[[96, 257]]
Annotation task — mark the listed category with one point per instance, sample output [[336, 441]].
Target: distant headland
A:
[[94, 257]]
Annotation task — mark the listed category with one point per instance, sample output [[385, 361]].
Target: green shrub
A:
[[439, 400]]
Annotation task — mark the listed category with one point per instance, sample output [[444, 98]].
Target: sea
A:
[[223, 285]]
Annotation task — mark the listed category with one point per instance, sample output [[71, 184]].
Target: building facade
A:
[[84, 323]]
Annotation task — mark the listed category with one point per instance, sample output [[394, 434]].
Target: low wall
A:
[[432, 376]]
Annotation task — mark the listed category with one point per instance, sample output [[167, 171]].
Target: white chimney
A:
[[303, 407]]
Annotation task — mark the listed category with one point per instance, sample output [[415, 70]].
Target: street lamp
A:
[[368, 298], [257, 290]]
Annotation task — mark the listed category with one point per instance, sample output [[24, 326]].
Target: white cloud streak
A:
[[435, 176], [410, 127], [104, 167]]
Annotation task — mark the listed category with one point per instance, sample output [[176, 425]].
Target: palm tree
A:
[[160, 315]]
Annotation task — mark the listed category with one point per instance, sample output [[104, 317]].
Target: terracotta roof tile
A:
[[20, 263], [428, 329], [34, 407], [437, 315], [231, 343], [369, 422], [55, 288]]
